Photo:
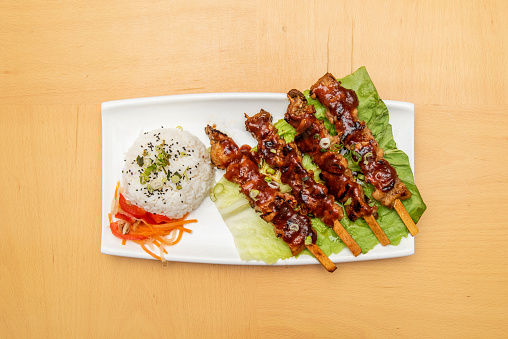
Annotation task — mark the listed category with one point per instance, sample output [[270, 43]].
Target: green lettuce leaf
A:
[[320, 112], [255, 239], [285, 130], [373, 110]]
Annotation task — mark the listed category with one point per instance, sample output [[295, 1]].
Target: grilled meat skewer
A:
[[276, 208], [341, 109], [310, 134], [312, 196], [310, 131], [341, 105]]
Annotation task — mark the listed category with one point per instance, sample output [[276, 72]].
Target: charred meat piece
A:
[[312, 196], [341, 105], [310, 134], [276, 208]]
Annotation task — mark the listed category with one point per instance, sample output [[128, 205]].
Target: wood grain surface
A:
[[60, 59]]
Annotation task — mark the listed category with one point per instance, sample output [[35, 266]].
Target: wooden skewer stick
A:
[[406, 218], [378, 231], [346, 238], [321, 257]]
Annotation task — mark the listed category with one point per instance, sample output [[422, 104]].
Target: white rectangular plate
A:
[[211, 242]]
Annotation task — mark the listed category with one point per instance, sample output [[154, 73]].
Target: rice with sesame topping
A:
[[167, 171]]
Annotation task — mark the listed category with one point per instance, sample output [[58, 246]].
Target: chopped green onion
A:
[[139, 160], [213, 197], [268, 179], [274, 185], [365, 157], [308, 240], [270, 171], [157, 184], [185, 174], [284, 188], [178, 187], [150, 169], [175, 178], [357, 155], [149, 188], [218, 188], [273, 150], [253, 194], [360, 176], [294, 227], [336, 147], [324, 143], [348, 201], [179, 128]]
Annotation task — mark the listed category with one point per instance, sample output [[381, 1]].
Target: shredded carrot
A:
[[147, 251], [164, 234], [116, 188], [180, 234], [158, 242], [173, 235]]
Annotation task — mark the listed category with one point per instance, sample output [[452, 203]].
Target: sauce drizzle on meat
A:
[[334, 167], [341, 105], [312, 196], [275, 207]]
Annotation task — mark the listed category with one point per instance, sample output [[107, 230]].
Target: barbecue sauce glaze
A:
[[275, 207], [312, 196], [341, 104], [334, 170]]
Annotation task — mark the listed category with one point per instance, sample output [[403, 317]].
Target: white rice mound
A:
[[189, 165]]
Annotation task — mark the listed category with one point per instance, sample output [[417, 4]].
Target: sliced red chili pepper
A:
[[128, 218], [159, 218], [148, 219], [133, 210], [116, 232]]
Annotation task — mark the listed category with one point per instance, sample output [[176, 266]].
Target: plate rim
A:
[[195, 97]]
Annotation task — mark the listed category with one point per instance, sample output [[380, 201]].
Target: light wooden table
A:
[[60, 59]]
